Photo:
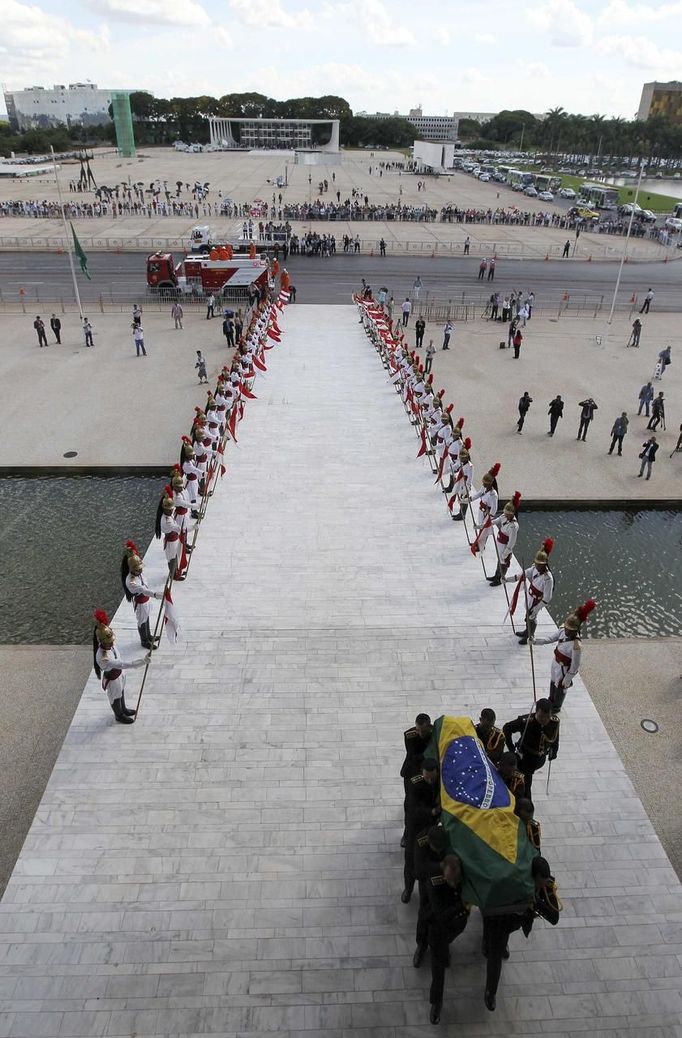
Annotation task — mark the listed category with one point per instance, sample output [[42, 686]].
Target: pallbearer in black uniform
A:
[[448, 916], [416, 739], [423, 809], [539, 739], [491, 737], [497, 928], [430, 848]]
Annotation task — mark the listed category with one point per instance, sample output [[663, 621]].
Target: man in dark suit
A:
[[648, 456]]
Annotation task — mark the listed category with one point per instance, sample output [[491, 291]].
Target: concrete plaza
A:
[[230, 864], [109, 385], [245, 176]]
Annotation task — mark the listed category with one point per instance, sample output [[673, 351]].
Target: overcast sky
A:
[[447, 55]]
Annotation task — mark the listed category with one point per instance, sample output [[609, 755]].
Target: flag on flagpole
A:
[[78, 249], [170, 618]]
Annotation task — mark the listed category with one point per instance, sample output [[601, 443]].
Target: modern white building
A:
[[429, 127], [81, 104], [273, 134], [434, 155]]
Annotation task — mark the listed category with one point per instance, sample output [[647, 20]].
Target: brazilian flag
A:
[[82, 258], [478, 816]]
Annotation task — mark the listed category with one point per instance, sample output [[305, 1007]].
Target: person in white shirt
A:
[[567, 653], [110, 667], [447, 332], [406, 311]]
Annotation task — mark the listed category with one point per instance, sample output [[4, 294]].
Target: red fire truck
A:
[[199, 275]]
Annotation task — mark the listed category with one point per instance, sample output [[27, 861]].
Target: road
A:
[[45, 276]]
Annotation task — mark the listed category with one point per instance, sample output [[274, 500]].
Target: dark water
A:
[[629, 562], [62, 542]]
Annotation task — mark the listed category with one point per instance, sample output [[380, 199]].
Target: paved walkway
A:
[[230, 865]]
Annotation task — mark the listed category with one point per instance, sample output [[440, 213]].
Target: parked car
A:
[[484, 178], [629, 207], [673, 224], [567, 192], [646, 216], [545, 196], [531, 191]]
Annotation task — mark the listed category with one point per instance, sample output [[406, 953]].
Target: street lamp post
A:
[[627, 239]]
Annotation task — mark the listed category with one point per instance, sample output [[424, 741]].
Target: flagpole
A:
[[67, 236]]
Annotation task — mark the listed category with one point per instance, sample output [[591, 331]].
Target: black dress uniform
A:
[[448, 916], [422, 802], [536, 744], [427, 861], [493, 741], [415, 748]]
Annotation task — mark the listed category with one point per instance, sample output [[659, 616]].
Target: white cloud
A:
[[38, 43], [535, 70], [372, 20], [152, 12], [442, 35], [565, 24], [642, 53], [486, 38], [473, 76], [620, 12], [269, 14]]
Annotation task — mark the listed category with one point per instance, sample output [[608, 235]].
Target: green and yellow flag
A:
[[82, 258], [478, 816]]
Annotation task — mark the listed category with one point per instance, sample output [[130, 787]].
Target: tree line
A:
[[561, 132]]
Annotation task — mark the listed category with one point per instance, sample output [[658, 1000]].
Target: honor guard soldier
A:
[[448, 917], [169, 528], [423, 809], [566, 662], [463, 477], [416, 740], [510, 774], [491, 737], [110, 667], [137, 592], [488, 500], [539, 588], [430, 849], [506, 528], [191, 472], [539, 739]]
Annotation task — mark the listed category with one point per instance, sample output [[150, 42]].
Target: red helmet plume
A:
[[101, 617], [449, 408], [495, 469], [131, 546], [583, 611], [516, 500], [168, 491], [460, 422], [467, 443], [548, 545]]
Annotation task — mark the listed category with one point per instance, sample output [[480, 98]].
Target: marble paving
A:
[[229, 865]]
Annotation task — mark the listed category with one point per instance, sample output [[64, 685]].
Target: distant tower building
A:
[[661, 99], [123, 123]]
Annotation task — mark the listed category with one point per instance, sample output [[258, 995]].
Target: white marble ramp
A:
[[229, 865]]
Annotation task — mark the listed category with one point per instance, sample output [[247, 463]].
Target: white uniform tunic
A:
[[141, 597], [182, 506], [193, 474], [171, 530], [540, 587], [463, 478], [112, 667], [566, 657], [507, 532]]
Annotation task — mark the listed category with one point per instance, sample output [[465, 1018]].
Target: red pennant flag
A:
[[515, 596], [476, 546], [182, 565], [422, 449], [248, 394], [232, 424], [273, 335], [259, 364], [451, 502], [442, 465]]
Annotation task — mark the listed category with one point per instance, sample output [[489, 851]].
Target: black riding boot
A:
[[124, 708], [118, 713]]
